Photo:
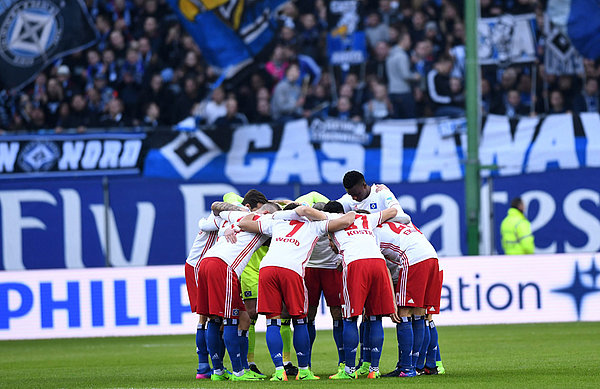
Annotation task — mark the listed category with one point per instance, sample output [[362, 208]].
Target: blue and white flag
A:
[[230, 33], [584, 27], [34, 33]]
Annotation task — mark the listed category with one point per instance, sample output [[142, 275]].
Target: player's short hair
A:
[[362, 211], [319, 206], [333, 207], [253, 197], [352, 178], [291, 206], [516, 202], [271, 207]]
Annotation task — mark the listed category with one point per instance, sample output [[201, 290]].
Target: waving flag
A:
[[584, 27], [34, 33], [230, 33]]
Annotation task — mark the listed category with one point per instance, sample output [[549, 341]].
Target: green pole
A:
[[472, 179]]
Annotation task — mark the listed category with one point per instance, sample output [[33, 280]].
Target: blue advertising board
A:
[[151, 221]]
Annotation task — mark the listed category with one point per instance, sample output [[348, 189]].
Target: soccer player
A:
[[367, 285], [207, 236], [253, 200], [219, 288], [322, 275], [281, 278], [372, 198], [418, 288]]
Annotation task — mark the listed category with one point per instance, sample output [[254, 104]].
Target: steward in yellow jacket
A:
[[516, 230]]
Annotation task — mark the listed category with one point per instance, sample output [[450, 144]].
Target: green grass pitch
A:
[[563, 355]]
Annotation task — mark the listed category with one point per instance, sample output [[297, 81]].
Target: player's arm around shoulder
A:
[[395, 214], [341, 222], [310, 213], [249, 224], [219, 206]]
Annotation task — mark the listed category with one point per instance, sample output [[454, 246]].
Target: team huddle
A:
[[253, 257]]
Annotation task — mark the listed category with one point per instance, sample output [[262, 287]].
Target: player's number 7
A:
[[297, 224]]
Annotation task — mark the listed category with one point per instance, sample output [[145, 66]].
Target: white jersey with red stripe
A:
[[292, 242], [375, 201], [206, 238], [403, 244], [237, 254], [358, 240]]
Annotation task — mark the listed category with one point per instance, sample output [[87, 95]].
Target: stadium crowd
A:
[[145, 70]]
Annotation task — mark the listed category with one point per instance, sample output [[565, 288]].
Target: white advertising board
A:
[[153, 300]]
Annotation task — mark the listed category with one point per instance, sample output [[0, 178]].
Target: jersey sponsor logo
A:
[[373, 205], [288, 240]]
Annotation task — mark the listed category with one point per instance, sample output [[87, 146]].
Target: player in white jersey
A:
[[418, 289], [367, 285], [209, 228], [372, 198], [323, 276], [219, 286], [281, 277]]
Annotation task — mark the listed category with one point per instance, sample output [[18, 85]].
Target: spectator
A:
[[263, 112], [186, 101], [440, 92], [216, 107], [417, 31], [278, 64], [317, 102], [587, 100], [515, 230], [80, 117], [129, 92], [110, 69], [376, 62], [287, 100], [379, 107], [557, 102], [115, 116], [63, 76], [118, 45], [512, 106], [232, 117], [309, 36], [487, 98], [375, 30], [37, 119], [400, 78], [106, 92], [152, 115], [55, 98], [343, 110]]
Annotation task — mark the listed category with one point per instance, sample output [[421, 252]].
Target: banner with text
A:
[[30, 156], [153, 300], [391, 151]]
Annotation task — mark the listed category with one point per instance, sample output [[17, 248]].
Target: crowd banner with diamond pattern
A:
[[44, 156], [390, 151], [35, 33]]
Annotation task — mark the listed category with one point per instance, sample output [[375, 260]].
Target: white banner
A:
[[153, 300]]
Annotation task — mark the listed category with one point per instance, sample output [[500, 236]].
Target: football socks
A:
[[375, 341], [275, 342], [350, 343], [338, 337]]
